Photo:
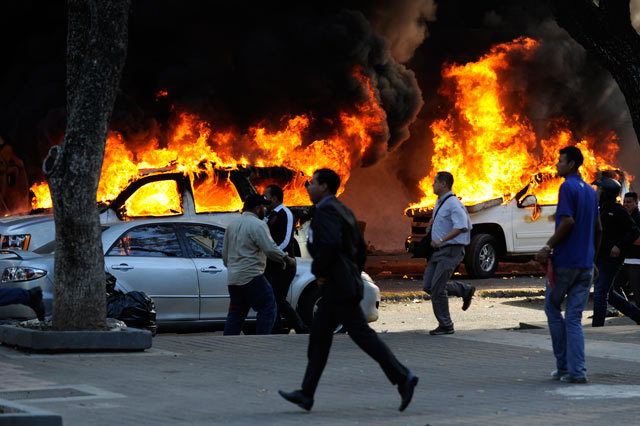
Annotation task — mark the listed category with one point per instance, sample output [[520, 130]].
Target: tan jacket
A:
[[247, 244]]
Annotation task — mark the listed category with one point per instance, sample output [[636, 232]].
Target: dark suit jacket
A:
[[339, 251]]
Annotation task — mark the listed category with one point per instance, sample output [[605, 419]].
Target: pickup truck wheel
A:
[[482, 256]]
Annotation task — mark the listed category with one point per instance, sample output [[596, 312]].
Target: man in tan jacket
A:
[[247, 244]]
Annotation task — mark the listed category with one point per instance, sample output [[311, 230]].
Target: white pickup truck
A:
[[503, 230]]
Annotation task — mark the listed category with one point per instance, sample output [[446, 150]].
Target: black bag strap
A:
[[438, 209]]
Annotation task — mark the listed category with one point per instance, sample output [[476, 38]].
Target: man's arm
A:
[[225, 248], [327, 241], [562, 232], [449, 236]]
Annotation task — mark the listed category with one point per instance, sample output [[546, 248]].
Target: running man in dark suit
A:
[[339, 254]]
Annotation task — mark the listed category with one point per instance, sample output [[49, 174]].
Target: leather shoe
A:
[[466, 300], [298, 398], [35, 302], [406, 390], [441, 330]]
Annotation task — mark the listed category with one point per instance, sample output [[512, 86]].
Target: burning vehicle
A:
[[504, 230], [504, 172]]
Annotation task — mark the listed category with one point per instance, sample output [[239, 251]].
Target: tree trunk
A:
[[97, 37], [605, 31]]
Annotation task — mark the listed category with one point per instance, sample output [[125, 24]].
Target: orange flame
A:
[[493, 152], [195, 148]]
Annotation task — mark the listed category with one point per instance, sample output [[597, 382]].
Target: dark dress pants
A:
[[256, 295], [327, 318], [603, 293], [280, 280]]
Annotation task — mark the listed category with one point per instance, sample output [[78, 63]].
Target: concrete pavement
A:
[[498, 377]]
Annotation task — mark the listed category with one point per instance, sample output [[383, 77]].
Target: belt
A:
[[449, 245]]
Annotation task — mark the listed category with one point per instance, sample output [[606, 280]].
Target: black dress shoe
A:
[[298, 398], [35, 302], [441, 330], [466, 300], [406, 390]]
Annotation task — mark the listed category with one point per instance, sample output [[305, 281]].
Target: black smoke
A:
[[235, 64]]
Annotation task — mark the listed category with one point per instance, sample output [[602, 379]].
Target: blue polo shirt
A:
[[577, 199]]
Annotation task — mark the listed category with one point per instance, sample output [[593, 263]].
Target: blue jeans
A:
[[567, 338], [10, 296], [604, 293], [257, 294]]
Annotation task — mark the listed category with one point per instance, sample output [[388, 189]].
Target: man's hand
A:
[[543, 254], [320, 281], [436, 243], [291, 261], [615, 251]]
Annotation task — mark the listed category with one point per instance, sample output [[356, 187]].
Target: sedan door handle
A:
[[121, 267], [211, 270]]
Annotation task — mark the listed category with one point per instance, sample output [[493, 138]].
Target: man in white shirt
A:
[[247, 244]]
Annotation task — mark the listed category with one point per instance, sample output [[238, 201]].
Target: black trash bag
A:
[[134, 308]]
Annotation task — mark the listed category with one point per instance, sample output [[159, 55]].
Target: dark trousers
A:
[[327, 318], [10, 296], [628, 280], [435, 281], [256, 295], [603, 293], [280, 280]]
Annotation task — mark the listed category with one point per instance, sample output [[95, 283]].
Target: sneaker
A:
[[35, 302], [441, 330], [568, 379], [557, 374]]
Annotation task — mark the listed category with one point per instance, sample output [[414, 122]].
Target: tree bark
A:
[[605, 31], [97, 38]]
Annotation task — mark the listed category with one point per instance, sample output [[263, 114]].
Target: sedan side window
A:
[[204, 240], [148, 241]]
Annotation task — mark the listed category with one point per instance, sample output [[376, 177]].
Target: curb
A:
[[498, 293]]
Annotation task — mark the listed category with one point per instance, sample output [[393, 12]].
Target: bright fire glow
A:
[[195, 147], [491, 148]]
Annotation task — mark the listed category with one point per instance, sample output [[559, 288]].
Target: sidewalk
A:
[[497, 377]]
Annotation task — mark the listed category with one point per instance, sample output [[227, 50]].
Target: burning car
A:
[[504, 230]]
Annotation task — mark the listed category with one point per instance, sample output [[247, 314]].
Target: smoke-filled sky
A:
[[240, 63]]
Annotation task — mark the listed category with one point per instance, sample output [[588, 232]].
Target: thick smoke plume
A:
[[234, 64]]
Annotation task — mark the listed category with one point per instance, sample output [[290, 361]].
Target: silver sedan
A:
[[176, 261]]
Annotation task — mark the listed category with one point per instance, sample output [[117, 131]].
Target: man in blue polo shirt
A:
[[573, 249]]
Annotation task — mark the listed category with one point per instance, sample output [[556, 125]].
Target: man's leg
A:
[[320, 338], [261, 298], [368, 340], [552, 304], [606, 273], [238, 310], [633, 273], [444, 266], [577, 297], [624, 306]]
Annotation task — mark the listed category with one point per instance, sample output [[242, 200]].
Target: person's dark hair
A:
[[276, 191], [633, 195], [573, 154], [446, 178], [329, 177]]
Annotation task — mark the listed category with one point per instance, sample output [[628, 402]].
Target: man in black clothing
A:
[[339, 254], [628, 278], [281, 226], [619, 232]]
